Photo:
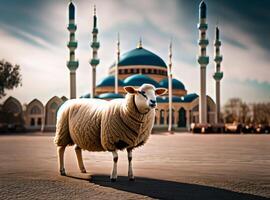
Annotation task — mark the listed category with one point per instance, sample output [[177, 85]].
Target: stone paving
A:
[[179, 166]]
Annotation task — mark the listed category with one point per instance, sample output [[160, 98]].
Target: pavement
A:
[[178, 166]]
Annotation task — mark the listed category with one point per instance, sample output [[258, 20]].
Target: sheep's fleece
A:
[[98, 125]]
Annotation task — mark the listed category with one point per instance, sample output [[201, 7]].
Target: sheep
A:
[[100, 125]]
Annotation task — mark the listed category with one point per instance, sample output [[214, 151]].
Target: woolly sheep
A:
[[99, 125]]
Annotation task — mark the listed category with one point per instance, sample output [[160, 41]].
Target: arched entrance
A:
[[182, 117], [161, 119]]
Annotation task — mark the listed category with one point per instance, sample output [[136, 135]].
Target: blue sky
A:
[[34, 35]]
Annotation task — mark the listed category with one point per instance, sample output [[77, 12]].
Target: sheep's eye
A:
[[143, 94]]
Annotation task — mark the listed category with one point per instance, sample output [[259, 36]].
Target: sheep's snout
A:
[[152, 103]]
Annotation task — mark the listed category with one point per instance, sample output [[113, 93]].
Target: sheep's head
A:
[[145, 96]]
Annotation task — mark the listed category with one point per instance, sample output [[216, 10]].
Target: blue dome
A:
[[139, 79], [110, 96], [189, 97], [109, 81], [140, 56], [176, 84]]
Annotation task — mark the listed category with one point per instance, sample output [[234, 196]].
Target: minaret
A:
[[203, 60], [116, 64], [72, 64], [170, 87], [94, 61], [218, 74]]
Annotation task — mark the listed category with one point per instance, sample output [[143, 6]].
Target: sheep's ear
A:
[[160, 91], [130, 90]]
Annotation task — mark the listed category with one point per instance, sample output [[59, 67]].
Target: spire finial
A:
[[140, 43], [118, 38], [118, 43], [170, 47], [95, 10]]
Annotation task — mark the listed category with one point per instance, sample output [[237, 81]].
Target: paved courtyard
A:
[[179, 166]]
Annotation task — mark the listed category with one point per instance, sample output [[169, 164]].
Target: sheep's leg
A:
[[114, 171], [60, 152], [130, 171], [78, 151]]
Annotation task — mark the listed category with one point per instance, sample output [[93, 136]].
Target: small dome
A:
[[176, 84], [109, 81], [139, 79], [110, 96], [140, 56], [189, 97]]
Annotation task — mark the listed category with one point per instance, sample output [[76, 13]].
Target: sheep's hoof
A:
[[62, 172], [132, 179], [83, 171], [113, 179]]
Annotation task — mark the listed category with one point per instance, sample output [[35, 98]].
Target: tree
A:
[[10, 77]]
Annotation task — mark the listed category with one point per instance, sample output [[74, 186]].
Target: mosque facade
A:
[[177, 109]]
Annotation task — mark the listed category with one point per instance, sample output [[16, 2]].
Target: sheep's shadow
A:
[[162, 189]]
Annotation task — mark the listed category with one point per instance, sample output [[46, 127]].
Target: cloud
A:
[[37, 41]]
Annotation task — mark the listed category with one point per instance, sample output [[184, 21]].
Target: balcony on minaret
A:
[[218, 59], [95, 45], [72, 65], [72, 44], [218, 76], [217, 43], [202, 26], [94, 61], [95, 30], [203, 42], [203, 60], [72, 27]]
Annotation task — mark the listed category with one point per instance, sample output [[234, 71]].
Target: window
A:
[[35, 110], [39, 121], [32, 123], [53, 106]]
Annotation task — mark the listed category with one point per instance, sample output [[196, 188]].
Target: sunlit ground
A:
[[179, 166]]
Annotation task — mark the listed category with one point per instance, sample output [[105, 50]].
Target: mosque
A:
[[176, 110]]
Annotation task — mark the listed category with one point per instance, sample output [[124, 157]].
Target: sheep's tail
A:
[[62, 135]]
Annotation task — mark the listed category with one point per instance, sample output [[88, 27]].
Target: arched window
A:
[[39, 122], [182, 117], [53, 106], [32, 123], [161, 119], [12, 108], [35, 110]]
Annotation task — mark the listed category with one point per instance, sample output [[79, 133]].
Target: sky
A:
[[34, 34]]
